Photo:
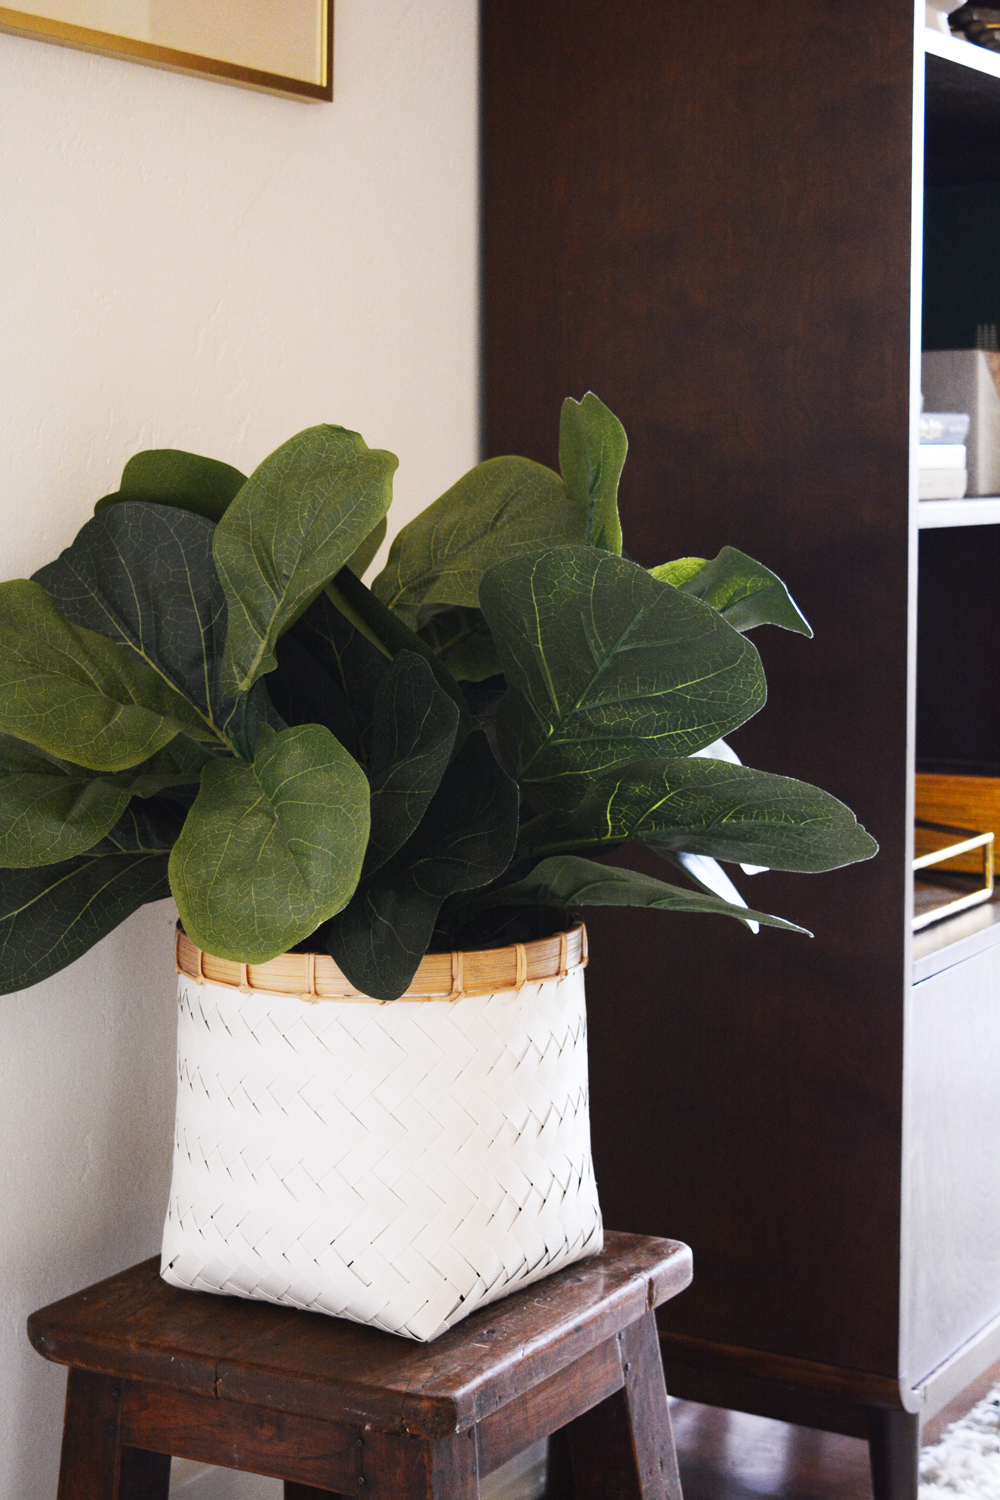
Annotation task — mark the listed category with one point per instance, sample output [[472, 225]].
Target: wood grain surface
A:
[[710, 227], [136, 1326], [333, 1408]]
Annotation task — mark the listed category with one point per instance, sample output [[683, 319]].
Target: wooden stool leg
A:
[[94, 1464], [623, 1449], [144, 1476], [559, 1483], [894, 1453]]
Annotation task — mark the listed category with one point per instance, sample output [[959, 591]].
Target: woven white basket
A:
[[397, 1164]]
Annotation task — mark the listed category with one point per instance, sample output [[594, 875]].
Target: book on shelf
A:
[[942, 484], [966, 380], [942, 471], [944, 426], [942, 455]]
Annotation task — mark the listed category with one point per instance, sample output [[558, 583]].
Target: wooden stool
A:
[[335, 1409]]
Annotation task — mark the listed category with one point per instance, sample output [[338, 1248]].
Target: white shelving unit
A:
[[955, 940], [974, 511], [967, 54]]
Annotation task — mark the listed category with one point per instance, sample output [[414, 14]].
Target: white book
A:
[[944, 426], [942, 484], [941, 455], [964, 380]]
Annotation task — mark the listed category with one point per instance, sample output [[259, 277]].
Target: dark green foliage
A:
[[144, 575], [412, 736], [183, 480], [592, 449], [52, 914], [465, 840], [701, 806], [744, 592], [568, 881], [605, 663], [295, 523], [200, 696]]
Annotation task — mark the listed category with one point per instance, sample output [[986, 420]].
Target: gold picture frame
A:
[[277, 46]]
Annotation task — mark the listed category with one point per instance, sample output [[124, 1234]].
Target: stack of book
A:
[[943, 472], [967, 380]]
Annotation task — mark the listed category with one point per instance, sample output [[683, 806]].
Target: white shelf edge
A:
[[980, 59], [981, 511]]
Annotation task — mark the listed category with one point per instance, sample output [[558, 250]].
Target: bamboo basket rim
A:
[[440, 976]]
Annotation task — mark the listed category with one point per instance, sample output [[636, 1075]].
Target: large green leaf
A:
[[51, 810], [148, 824], [361, 559], [465, 840], [183, 480], [383, 625], [501, 508], [329, 673], [144, 575], [292, 527], [679, 571], [605, 664], [412, 734], [51, 915], [708, 807], [271, 849], [78, 695], [744, 592], [567, 881], [592, 449], [462, 639]]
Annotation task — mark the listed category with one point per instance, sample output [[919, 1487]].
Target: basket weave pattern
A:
[[396, 1164]]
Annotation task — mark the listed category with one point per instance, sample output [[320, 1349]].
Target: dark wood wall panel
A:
[[703, 218]]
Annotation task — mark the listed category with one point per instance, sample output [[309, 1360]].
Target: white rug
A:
[[966, 1461]]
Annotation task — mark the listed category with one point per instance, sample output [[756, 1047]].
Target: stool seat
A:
[[337, 1408]]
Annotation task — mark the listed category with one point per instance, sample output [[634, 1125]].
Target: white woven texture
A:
[[397, 1164]]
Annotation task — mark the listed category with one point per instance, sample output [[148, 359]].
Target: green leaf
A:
[[186, 481], [144, 575], [708, 875], [679, 571], [148, 825], [384, 626], [605, 664], [700, 806], [592, 449], [464, 841], [362, 559], [501, 508], [52, 915], [271, 849], [568, 881], [329, 673], [744, 592], [51, 810], [462, 640], [293, 526], [78, 695], [412, 734]]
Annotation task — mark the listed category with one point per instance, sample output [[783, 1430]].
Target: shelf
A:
[[956, 939], [979, 511], [966, 54]]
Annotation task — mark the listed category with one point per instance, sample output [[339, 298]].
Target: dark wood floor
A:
[[727, 1455]]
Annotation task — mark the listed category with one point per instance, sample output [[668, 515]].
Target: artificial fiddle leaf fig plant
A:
[[200, 695]]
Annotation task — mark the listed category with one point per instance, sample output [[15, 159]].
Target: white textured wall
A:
[[186, 264]]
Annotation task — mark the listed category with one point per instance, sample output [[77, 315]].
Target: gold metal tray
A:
[[949, 893]]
